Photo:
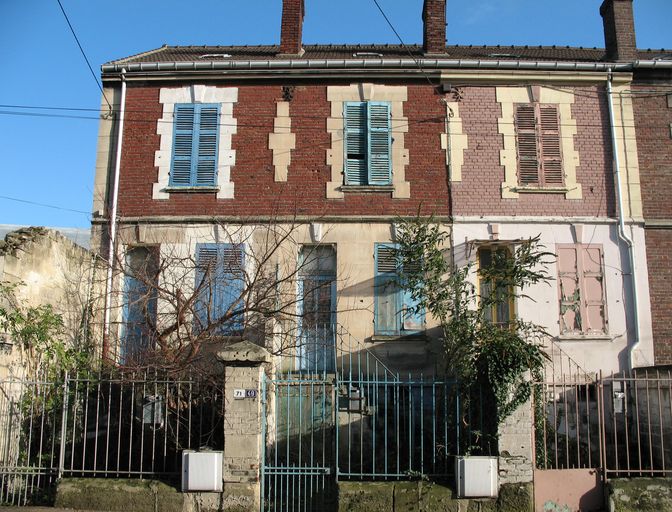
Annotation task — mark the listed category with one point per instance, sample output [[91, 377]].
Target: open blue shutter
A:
[[380, 144], [208, 127], [386, 291], [183, 145], [355, 125]]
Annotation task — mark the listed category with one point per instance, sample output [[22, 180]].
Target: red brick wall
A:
[[304, 193], [659, 260], [256, 192], [479, 192], [654, 145]]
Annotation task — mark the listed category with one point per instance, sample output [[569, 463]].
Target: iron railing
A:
[[131, 424], [621, 424]]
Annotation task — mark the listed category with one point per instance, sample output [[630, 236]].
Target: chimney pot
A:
[[619, 30], [434, 20], [291, 29]]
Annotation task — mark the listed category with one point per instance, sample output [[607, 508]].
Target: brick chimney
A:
[[292, 27], [619, 30], [434, 33]]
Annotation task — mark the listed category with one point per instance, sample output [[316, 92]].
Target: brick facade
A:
[[653, 121], [258, 194], [479, 191], [256, 191]]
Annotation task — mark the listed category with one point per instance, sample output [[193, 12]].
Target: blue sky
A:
[[51, 160]]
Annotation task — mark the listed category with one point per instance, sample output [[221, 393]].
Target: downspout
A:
[[113, 221], [621, 223]]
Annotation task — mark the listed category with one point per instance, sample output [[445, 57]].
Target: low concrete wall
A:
[[640, 495], [427, 497], [112, 495]]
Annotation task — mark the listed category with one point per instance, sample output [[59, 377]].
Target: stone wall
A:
[[49, 269]]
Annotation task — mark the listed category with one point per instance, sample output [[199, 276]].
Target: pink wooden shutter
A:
[[570, 294], [551, 156], [526, 134], [593, 286]]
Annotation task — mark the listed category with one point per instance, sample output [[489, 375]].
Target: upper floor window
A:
[[582, 297], [539, 149], [220, 288], [368, 143], [396, 312], [194, 158]]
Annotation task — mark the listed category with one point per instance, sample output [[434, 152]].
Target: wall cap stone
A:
[[244, 352]]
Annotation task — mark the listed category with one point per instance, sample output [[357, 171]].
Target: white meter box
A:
[[202, 471], [476, 477]]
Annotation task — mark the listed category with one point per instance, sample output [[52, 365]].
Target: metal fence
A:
[[621, 424], [127, 425]]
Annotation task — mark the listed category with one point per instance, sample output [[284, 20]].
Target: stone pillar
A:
[[516, 457], [243, 370]]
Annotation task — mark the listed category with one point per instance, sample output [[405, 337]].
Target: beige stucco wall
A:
[[50, 269], [354, 246]]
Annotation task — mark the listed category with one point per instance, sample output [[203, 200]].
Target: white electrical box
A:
[[202, 471], [477, 477]]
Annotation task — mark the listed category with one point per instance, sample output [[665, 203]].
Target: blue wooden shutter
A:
[[386, 291], [206, 271], [207, 124], [355, 126], [195, 145], [183, 145], [220, 276], [380, 144], [230, 287]]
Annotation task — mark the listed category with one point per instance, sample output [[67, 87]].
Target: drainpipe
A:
[[621, 223], [113, 221]]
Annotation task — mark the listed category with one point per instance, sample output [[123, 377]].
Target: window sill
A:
[[191, 190], [540, 190], [367, 189], [420, 336], [584, 337]]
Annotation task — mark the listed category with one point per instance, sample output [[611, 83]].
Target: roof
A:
[[176, 54]]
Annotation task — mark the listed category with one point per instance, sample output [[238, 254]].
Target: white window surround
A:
[[226, 97], [396, 95], [508, 97]]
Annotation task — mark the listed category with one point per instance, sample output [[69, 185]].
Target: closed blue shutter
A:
[[195, 141], [355, 122], [208, 125], [220, 281], [380, 144], [183, 146]]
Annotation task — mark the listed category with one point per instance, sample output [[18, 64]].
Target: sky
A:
[[47, 160]]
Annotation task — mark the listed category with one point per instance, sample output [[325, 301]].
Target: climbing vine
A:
[[501, 356]]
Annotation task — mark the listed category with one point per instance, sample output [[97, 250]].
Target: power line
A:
[[17, 200], [100, 86], [397, 128]]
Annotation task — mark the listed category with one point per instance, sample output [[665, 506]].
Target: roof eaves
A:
[[138, 55]]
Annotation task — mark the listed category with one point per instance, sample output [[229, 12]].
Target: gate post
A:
[[516, 446], [243, 373]]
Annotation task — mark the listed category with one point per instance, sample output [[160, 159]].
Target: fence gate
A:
[[298, 472]]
